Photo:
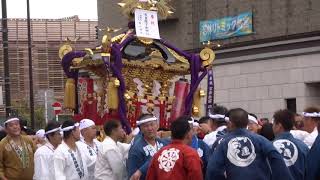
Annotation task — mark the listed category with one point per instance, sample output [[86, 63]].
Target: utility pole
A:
[[30, 66], [6, 57]]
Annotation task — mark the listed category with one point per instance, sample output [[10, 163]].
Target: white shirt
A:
[[43, 163], [91, 155], [299, 134], [309, 140], [110, 164], [64, 163], [210, 138]]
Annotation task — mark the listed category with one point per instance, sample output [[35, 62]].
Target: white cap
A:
[[85, 123], [142, 121], [40, 133], [10, 120], [253, 119]]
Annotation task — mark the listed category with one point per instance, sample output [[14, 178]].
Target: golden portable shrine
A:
[[128, 75]]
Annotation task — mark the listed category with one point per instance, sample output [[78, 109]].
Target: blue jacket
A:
[[140, 155], [313, 161], [244, 155], [294, 153], [203, 150]]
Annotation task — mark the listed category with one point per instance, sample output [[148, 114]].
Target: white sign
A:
[[143, 0], [146, 23]]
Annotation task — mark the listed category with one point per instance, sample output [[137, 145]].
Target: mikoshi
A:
[[128, 75]]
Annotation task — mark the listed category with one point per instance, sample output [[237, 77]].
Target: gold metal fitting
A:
[[116, 83], [202, 93]]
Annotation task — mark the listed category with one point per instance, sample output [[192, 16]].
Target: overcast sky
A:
[[50, 9]]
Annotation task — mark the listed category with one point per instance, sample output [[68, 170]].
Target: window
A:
[[292, 104]]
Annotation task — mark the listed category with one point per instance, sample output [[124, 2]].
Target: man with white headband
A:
[[245, 155], [313, 158], [16, 153], [111, 158], [197, 144], [294, 151], [43, 158], [144, 147], [311, 117], [70, 162], [90, 146], [253, 124], [219, 124]]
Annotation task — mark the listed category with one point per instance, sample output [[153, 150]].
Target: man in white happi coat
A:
[[43, 158], [219, 125], [110, 163], [311, 118], [70, 162], [89, 144]]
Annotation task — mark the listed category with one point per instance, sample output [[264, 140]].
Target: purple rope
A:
[[179, 51], [193, 88], [67, 61]]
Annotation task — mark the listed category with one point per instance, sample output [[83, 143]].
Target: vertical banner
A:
[[210, 91], [146, 23]]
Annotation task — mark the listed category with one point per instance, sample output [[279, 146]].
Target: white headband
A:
[[314, 114], [85, 123], [53, 130], [40, 133], [253, 119], [146, 120], [70, 127], [10, 120], [194, 124], [216, 116]]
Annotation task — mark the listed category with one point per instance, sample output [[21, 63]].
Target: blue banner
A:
[[226, 27]]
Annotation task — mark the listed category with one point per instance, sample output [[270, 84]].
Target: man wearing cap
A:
[[245, 155], [219, 125], [313, 158], [144, 147], [310, 122], [16, 153], [177, 161], [43, 158], [70, 162], [110, 163], [89, 144], [294, 151]]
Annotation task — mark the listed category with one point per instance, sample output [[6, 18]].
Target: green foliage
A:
[[21, 109]]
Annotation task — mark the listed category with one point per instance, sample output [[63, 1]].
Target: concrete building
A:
[[275, 67]]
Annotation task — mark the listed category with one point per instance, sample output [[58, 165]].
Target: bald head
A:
[[238, 117]]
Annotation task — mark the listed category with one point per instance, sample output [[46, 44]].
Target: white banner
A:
[[146, 23]]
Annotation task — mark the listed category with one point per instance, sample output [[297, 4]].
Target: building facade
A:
[[277, 66], [47, 36]]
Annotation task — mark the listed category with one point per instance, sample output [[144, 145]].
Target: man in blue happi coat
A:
[[244, 155], [144, 147], [201, 147], [293, 151], [313, 157]]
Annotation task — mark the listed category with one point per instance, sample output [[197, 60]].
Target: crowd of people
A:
[[227, 144]]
